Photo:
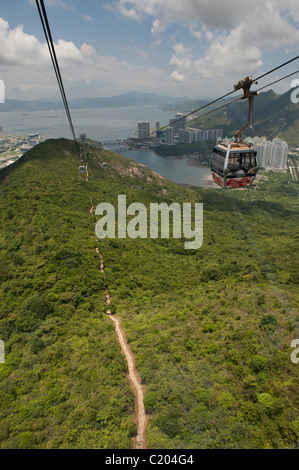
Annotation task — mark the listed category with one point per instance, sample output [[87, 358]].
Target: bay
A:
[[180, 170], [99, 124], [108, 124]]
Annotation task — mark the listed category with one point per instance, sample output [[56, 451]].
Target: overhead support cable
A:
[[276, 68], [240, 98], [224, 105], [228, 94], [47, 31], [233, 91]]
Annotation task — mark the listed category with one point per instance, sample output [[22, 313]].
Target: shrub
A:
[[150, 400], [209, 327], [37, 345], [261, 300], [268, 323], [266, 402], [225, 400], [169, 422], [39, 306], [258, 363]]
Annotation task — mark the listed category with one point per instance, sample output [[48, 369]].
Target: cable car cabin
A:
[[234, 165]]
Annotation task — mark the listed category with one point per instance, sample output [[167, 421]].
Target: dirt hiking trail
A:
[[133, 374]]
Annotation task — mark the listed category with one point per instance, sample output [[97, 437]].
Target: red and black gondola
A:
[[234, 165]]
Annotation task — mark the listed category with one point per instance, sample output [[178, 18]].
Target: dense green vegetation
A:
[[203, 148], [211, 328]]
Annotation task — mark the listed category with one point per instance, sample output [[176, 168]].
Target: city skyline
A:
[[270, 153]]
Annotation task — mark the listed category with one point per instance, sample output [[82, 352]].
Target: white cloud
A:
[[65, 5], [230, 53], [20, 48], [220, 40], [177, 77], [87, 50], [157, 27], [239, 33], [213, 13], [182, 57], [122, 8], [60, 4], [181, 50], [196, 33], [87, 17], [26, 69]]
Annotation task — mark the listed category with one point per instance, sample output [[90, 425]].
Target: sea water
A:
[[109, 124]]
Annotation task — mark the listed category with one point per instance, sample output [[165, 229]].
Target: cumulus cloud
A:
[[87, 17], [194, 32], [123, 8], [212, 13], [87, 50], [182, 57], [229, 52], [65, 5], [26, 68], [238, 33], [20, 48], [177, 77], [157, 27], [220, 39]]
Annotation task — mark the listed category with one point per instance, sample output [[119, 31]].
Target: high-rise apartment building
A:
[[271, 154], [169, 136], [143, 129], [157, 128], [185, 136], [179, 122]]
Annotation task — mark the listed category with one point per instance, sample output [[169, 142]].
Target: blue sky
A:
[[194, 48]]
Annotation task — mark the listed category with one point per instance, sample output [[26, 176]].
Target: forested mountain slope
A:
[[211, 328]]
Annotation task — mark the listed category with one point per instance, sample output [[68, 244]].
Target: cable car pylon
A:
[[83, 159]]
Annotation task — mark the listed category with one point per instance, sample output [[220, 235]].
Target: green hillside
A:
[[211, 328], [273, 116]]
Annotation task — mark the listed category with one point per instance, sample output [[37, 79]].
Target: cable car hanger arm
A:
[[245, 84]]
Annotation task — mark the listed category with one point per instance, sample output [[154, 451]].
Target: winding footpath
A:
[[133, 374]]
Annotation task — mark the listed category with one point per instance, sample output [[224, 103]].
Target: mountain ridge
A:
[[273, 116], [133, 98]]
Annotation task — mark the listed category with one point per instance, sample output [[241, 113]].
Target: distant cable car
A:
[[234, 165]]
